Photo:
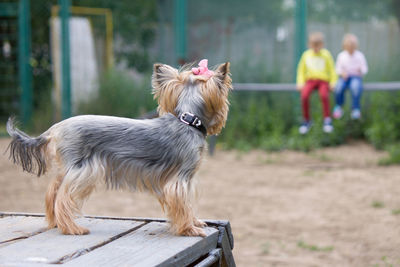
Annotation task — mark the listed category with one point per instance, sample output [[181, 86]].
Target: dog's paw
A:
[[76, 231], [199, 223], [194, 231], [51, 225]]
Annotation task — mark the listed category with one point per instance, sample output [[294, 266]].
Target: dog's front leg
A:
[[177, 199], [199, 223]]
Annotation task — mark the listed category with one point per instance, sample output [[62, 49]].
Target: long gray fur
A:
[[26, 151], [131, 152], [132, 149]]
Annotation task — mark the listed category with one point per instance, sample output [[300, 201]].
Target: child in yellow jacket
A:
[[316, 70]]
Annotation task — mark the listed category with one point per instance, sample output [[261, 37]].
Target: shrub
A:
[[270, 121], [120, 95]]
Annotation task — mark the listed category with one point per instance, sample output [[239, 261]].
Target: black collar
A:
[[194, 121]]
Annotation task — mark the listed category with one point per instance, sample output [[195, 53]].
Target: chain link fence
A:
[[257, 37]]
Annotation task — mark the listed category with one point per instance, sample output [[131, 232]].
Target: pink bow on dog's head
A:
[[203, 69]]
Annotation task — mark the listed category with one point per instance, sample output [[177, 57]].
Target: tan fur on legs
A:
[[70, 197], [177, 201], [199, 223], [76, 187], [50, 199], [65, 209]]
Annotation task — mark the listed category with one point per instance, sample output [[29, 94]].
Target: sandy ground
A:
[[331, 207]]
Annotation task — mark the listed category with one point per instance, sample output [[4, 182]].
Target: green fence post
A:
[[301, 29], [300, 43], [180, 30], [24, 48], [65, 60]]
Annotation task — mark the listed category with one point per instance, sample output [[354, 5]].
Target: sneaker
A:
[[337, 112], [328, 128], [305, 127], [356, 114]]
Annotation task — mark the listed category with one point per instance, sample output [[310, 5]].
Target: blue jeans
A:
[[356, 87]]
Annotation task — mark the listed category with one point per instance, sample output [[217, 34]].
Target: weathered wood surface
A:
[[25, 241], [52, 247], [150, 245], [16, 227]]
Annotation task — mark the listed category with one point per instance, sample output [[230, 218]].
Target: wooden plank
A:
[[226, 224], [213, 259], [223, 243], [17, 227], [53, 247], [151, 245]]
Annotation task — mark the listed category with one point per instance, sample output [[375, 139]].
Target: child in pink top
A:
[[351, 66]]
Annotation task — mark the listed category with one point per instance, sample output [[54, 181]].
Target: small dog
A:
[[159, 155]]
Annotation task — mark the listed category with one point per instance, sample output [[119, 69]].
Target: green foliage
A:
[[394, 155], [377, 204], [120, 95], [310, 247], [257, 119], [43, 116], [135, 25], [396, 212], [270, 121], [385, 121]]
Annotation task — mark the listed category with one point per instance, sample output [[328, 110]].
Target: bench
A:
[[113, 241]]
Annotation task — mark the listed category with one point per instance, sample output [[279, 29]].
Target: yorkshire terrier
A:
[[159, 155]]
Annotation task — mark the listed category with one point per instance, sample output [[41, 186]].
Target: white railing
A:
[[369, 86]]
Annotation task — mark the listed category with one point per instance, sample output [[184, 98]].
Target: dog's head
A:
[[180, 90]]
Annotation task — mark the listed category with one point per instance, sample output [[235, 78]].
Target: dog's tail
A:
[[29, 152]]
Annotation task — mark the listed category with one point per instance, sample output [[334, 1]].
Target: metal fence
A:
[[262, 40], [15, 75]]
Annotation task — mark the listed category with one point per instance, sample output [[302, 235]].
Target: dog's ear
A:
[[166, 87], [215, 94], [222, 74], [162, 75]]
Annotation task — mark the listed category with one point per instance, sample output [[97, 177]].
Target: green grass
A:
[[265, 248], [386, 263], [394, 155], [309, 173], [396, 212], [310, 247], [3, 132], [321, 157], [377, 204]]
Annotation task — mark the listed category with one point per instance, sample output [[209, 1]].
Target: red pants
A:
[[323, 89]]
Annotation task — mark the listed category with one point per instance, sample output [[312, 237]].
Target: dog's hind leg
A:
[[177, 200], [51, 195], [75, 188]]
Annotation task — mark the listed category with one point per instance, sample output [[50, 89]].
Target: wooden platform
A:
[[25, 241]]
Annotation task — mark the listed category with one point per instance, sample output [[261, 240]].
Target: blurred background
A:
[[337, 204], [104, 58]]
